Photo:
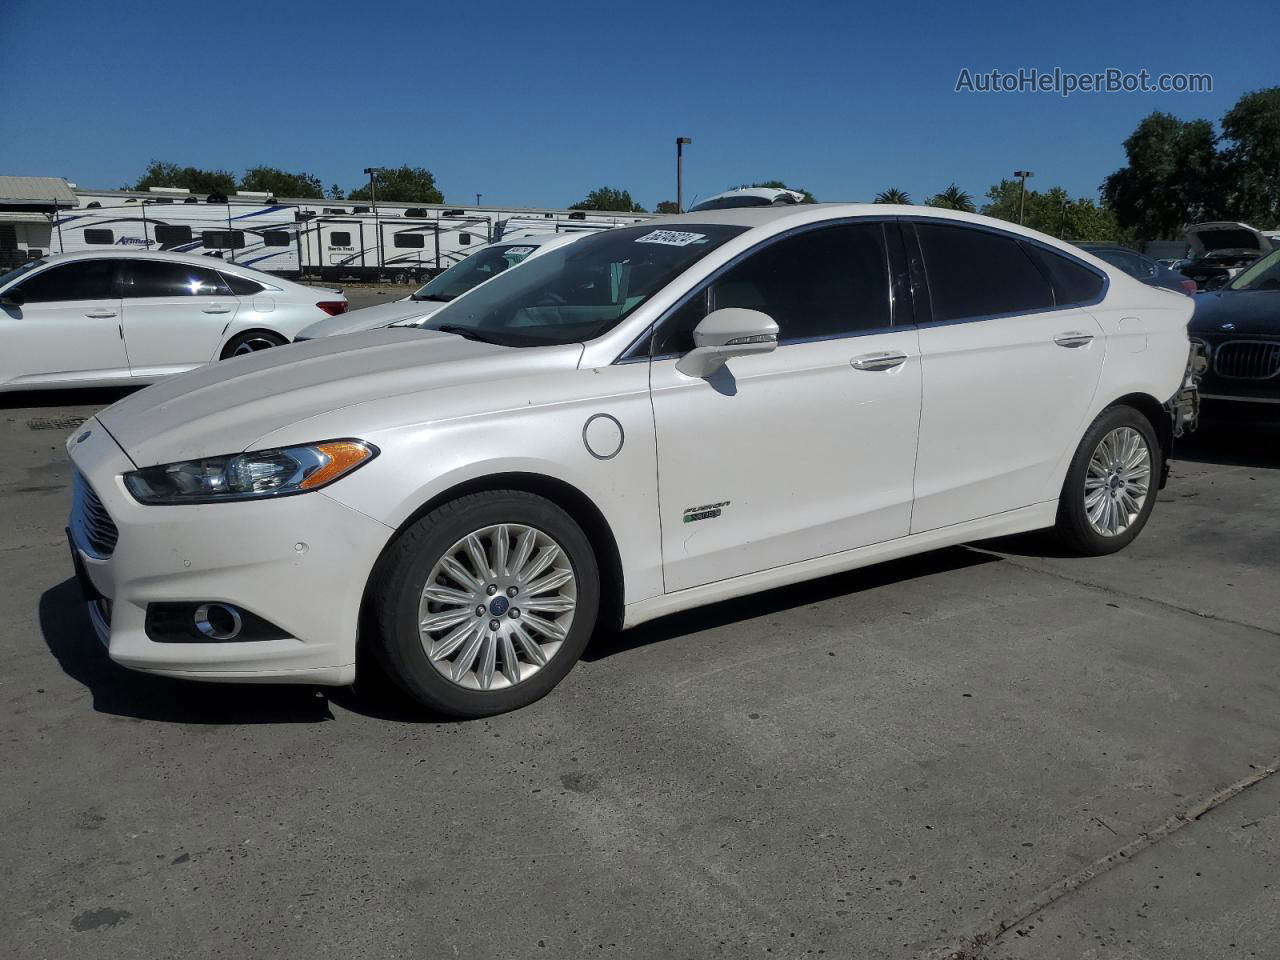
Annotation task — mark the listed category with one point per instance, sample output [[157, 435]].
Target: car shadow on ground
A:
[[755, 605], [93, 397], [1232, 442]]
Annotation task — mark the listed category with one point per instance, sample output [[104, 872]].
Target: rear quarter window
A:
[[974, 273], [1072, 281]]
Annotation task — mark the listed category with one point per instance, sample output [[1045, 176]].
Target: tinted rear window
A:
[[1072, 281], [977, 273]]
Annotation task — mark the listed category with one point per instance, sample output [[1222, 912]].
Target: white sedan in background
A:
[[463, 276], [134, 316], [652, 418]]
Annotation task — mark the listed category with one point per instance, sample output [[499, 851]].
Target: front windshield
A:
[[473, 271], [1262, 275], [579, 291], [729, 203], [27, 267]]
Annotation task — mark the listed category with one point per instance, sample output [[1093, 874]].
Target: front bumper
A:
[[299, 562]]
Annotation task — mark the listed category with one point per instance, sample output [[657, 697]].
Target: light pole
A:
[[1022, 191], [478, 196], [680, 144], [373, 203]]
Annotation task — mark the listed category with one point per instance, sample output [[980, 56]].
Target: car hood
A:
[[226, 406], [1249, 312], [1206, 238], [369, 318]]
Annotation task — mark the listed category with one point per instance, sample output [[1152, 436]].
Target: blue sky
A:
[[535, 103]]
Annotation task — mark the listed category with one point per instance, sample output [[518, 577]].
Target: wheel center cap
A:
[[498, 605], [1115, 481]]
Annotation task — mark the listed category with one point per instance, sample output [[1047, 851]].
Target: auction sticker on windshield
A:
[[672, 238], [517, 251]]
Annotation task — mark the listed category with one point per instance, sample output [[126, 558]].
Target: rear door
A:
[[1010, 370], [67, 328], [175, 315]]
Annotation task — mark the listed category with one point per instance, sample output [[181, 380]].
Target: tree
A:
[[280, 183], [1251, 161], [1054, 212], [893, 195], [607, 198], [1173, 177], [779, 185], [666, 206], [336, 193], [160, 173], [403, 185], [952, 198]]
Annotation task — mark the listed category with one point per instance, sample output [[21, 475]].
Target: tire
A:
[[251, 341], [463, 666], [1109, 522]]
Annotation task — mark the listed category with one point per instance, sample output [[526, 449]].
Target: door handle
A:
[[878, 361], [217, 309], [101, 314], [1073, 338]]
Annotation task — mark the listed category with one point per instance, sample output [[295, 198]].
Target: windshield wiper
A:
[[470, 333]]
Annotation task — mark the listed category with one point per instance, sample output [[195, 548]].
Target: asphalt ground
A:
[[995, 751]]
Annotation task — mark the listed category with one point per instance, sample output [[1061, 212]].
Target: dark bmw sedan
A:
[[1239, 325]]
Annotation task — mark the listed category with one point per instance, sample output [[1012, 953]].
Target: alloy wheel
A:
[[497, 606], [1117, 481]]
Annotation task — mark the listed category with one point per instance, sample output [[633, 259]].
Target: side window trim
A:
[[922, 282], [641, 347]]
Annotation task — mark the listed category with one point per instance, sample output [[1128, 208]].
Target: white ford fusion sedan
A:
[[125, 317], [646, 420]]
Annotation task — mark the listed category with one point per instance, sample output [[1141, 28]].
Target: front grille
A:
[[1247, 360], [94, 531]]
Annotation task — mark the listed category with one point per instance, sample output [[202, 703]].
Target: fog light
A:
[[218, 621]]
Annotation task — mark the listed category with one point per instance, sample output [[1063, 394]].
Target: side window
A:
[[82, 280], [975, 273], [168, 234], [99, 236], [275, 238], [464, 239], [827, 282], [1072, 281], [157, 278], [240, 286], [340, 238], [414, 240], [222, 239]]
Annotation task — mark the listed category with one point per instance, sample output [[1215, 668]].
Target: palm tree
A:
[[893, 195], [952, 198]]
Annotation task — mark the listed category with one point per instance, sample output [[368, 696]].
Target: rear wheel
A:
[[1110, 489], [252, 341], [486, 603]]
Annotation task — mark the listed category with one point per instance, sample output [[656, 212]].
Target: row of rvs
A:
[[330, 239]]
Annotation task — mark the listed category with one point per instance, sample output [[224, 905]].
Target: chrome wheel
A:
[[1117, 481], [253, 345], [497, 606]]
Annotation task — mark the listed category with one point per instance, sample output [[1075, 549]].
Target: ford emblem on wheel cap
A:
[[498, 605]]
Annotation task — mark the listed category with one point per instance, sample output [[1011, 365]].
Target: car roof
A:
[[125, 254]]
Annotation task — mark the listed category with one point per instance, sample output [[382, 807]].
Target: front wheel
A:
[[1111, 485], [486, 603]]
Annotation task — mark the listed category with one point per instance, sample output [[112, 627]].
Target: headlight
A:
[[249, 476]]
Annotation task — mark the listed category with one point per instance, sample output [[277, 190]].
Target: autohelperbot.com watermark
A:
[[1065, 82]]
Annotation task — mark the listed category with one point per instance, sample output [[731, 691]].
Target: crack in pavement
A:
[[972, 948], [1127, 594]]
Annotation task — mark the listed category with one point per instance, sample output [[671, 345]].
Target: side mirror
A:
[[12, 298], [730, 332]]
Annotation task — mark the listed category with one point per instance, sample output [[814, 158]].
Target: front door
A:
[[67, 328], [802, 452], [175, 315]]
